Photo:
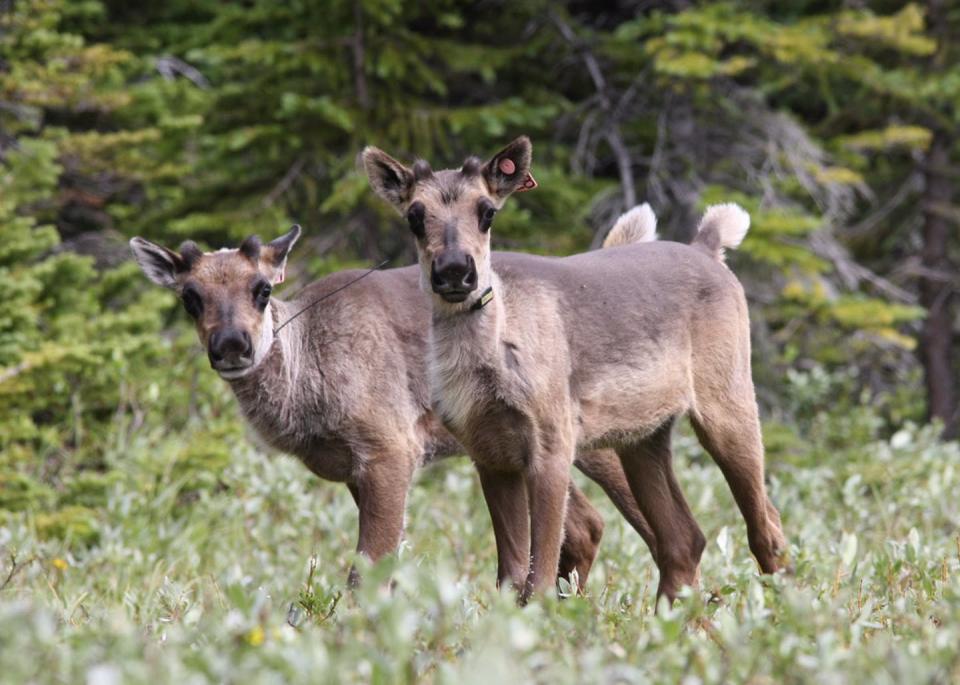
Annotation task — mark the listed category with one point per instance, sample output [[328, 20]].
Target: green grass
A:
[[192, 572]]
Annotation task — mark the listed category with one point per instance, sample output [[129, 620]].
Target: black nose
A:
[[453, 271], [227, 347]]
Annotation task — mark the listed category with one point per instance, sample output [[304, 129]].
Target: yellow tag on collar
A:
[[483, 300]]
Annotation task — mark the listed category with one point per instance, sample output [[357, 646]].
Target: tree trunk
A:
[[936, 288]]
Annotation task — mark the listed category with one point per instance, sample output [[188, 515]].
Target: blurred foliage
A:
[[139, 524], [210, 121], [248, 584]]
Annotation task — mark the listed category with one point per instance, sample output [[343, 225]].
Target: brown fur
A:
[[603, 349], [344, 388]]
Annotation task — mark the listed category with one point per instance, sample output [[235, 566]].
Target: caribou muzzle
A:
[[230, 350], [453, 275]]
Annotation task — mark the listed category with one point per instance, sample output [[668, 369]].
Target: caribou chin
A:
[[235, 372]]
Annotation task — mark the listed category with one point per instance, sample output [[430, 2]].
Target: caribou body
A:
[[344, 386], [534, 358]]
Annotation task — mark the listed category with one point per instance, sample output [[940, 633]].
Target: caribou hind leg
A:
[[679, 541], [582, 532], [730, 432], [603, 467]]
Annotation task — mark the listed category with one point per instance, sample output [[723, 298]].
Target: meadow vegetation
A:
[[146, 537], [204, 559]]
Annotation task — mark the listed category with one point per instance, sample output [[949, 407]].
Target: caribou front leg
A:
[[507, 501], [380, 492], [548, 481]]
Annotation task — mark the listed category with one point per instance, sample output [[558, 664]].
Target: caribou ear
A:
[[159, 264], [389, 179], [250, 248], [273, 255], [508, 171]]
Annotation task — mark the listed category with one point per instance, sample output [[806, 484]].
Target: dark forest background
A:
[[833, 123]]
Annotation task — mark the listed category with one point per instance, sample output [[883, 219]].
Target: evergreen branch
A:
[[851, 273], [359, 58], [612, 133], [170, 67], [283, 185]]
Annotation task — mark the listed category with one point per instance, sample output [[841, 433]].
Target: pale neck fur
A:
[[273, 383], [460, 341]]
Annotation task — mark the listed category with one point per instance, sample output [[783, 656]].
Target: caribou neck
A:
[[272, 384], [463, 335]]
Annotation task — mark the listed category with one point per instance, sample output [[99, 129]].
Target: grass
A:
[[236, 573]]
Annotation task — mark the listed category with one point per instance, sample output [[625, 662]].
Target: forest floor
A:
[[194, 574]]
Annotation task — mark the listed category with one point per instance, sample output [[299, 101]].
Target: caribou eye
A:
[[485, 212], [416, 217], [261, 294], [192, 302]]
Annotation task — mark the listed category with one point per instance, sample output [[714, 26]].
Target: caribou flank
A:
[[344, 386], [532, 358]]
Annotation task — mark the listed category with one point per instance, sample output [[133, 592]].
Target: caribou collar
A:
[[483, 300]]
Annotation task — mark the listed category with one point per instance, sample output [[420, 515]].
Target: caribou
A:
[[336, 377], [534, 360]]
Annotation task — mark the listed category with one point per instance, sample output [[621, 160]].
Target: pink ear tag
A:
[[529, 183], [509, 167], [283, 274]]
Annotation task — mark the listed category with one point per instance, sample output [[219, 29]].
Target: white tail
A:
[[722, 226], [639, 225]]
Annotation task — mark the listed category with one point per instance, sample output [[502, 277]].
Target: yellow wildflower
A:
[[255, 636], [60, 564]]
